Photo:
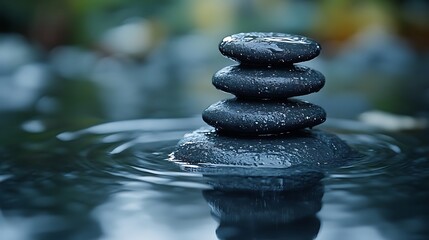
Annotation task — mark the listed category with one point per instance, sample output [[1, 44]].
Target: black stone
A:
[[268, 83], [262, 117], [277, 163], [260, 48]]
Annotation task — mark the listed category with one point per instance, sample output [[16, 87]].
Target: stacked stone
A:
[[258, 139], [263, 83]]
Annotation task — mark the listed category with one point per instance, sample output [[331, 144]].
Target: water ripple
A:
[[135, 150], [139, 150]]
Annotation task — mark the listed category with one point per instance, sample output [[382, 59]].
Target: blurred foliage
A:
[[82, 21], [133, 51]]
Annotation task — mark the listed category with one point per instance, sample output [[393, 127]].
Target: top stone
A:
[[269, 49]]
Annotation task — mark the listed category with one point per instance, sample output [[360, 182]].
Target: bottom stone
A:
[[290, 161]]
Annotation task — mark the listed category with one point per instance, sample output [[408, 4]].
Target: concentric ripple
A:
[[135, 151], [374, 155], [139, 150], [382, 185]]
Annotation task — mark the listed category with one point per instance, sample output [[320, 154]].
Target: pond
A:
[[75, 165], [115, 181]]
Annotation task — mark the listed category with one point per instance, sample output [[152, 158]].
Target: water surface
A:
[[114, 181]]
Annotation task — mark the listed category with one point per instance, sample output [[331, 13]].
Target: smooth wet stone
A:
[[268, 83], [276, 163], [262, 117], [261, 48]]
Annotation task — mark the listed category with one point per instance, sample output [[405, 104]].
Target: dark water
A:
[[114, 181]]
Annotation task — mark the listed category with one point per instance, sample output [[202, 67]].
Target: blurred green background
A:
[[73, 63]]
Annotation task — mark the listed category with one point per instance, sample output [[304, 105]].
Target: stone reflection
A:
[[266, 214]]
